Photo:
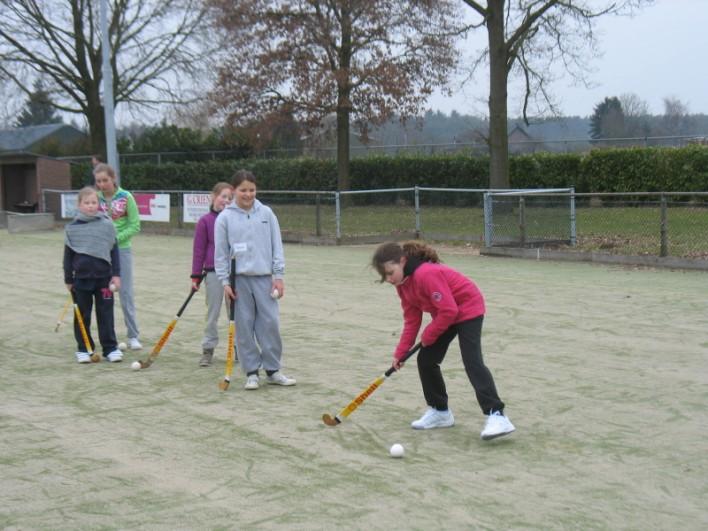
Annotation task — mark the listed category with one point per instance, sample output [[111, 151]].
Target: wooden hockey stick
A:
[[60, 321], [155, 352], [224, 384], [84, 334], [344, 413]]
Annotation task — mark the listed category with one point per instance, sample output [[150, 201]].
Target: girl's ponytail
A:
[[421, 251]]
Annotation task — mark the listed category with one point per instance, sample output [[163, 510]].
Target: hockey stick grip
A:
[[407, 355]]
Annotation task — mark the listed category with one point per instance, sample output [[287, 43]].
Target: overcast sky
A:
[[660, 52]]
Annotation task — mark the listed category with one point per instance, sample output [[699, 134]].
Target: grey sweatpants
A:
[[127, 302], [257, 324], [214, 302]]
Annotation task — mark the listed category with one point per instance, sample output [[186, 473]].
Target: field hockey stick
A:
[[60, 321], [84, 334], [155, 352], [337, 419], [224, 384]]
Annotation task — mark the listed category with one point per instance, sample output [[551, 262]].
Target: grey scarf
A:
[[95, 237]]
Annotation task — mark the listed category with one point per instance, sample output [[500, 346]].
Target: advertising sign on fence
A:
[[195, 206], [153, 207]]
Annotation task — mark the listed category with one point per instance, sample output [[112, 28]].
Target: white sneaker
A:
[[83, 357], [115, 356], [432, 418], [496, 426], [251, 382], [278, 378], [134, 344]]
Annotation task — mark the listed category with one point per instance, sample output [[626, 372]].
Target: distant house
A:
[[520, 141], [24, 174], [34, 138]]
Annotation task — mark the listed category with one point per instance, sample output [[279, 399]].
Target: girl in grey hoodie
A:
[[248, 231]]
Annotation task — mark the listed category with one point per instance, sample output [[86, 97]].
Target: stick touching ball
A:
[[136, 366]]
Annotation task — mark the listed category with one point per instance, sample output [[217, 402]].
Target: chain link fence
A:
[[641, 223]]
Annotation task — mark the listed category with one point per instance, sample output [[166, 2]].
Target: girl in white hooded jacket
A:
[[248, 231]]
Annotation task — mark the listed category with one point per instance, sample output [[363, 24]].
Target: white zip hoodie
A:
[[254, 236]]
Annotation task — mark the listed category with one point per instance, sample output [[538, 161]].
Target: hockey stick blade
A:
[[330, 420]]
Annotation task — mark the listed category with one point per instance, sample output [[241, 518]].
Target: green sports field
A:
[[604, 371]]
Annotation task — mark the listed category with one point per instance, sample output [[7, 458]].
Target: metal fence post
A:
[[522, 221], [573, 230], [487, 219], [416, 193], [180, 209], [664, 250], [338, 216], [318, 219]]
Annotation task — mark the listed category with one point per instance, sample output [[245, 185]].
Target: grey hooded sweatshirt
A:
[[253, 238]]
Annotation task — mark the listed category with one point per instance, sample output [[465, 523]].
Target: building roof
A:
[[23, 138]]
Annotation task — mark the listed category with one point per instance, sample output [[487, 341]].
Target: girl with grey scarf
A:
[[92, 272]]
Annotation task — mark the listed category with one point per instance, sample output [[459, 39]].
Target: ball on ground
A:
[[136, 366], [275, 294], [122, 346], [397, 450]]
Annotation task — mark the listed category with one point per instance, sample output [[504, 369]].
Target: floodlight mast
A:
[[108, 108]]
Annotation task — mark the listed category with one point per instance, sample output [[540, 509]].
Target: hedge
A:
[[603, 170]]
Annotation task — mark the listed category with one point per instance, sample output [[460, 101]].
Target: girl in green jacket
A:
[[121, 207]]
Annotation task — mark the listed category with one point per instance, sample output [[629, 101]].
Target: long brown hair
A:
[[394, 251]]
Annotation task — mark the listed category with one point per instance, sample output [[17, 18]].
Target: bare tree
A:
[[152, 43], [636, 115], [675, 120], [363, 61], [529, 38]]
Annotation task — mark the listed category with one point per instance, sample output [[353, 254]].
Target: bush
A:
[[602, 170]]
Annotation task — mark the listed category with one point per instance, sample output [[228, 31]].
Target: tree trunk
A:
[[342, 148], [498, 133], [97, 130], [344, 104]]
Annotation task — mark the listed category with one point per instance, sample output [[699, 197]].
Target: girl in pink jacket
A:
[[457, 309]]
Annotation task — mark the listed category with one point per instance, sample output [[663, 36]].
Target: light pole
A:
[[108, 110]]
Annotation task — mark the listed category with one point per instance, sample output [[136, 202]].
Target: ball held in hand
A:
[[275, 294], [112, 287]]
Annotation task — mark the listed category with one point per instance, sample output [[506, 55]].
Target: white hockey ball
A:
[[112, 287], [397, 450], [136, 366], [122, 346], [275, 294]]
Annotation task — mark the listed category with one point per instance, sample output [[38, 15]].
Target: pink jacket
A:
[[446, 294]]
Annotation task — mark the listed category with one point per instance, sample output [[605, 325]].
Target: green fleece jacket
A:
[[123, 210]]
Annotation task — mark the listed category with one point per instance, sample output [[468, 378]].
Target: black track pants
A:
[[104, 315], [429, 359]]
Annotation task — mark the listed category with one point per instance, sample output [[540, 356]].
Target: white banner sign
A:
[[195, 206], [69, 205]]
